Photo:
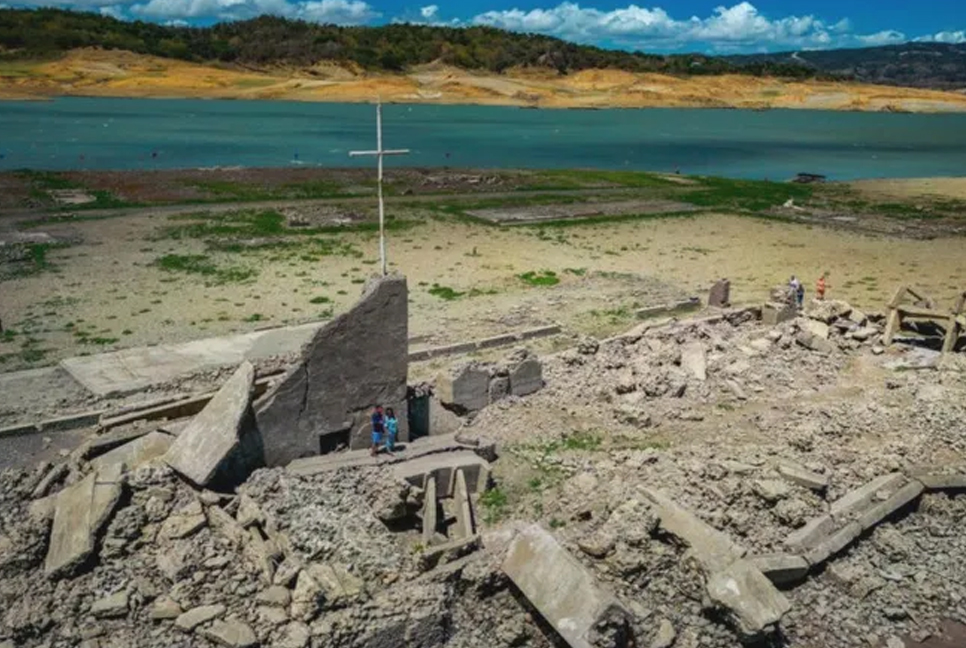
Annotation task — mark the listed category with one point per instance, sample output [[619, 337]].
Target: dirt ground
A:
[[90, 72], [109, 290], [906, 188]]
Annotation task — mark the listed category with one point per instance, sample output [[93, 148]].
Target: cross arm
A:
[[386, 152]]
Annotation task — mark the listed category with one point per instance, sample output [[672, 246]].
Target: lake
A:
[[92, 133]]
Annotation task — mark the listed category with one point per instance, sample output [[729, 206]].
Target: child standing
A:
[[392, 428], [821, 286]]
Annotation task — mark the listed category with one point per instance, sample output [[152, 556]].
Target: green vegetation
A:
[[227, 191], [34, 261], [445, 292], [321, 299], [270, 42], [198, 264], [745, 195], [43, 182], [542, 278], [494, 503]]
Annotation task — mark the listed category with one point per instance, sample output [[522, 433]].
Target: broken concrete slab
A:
[[81, 511], [136, 453], [430, 508], [814, 343], [720, 294], [441, 420], [464, 388], [820, 329], [851, 505], [337, 583], [183, 522], [753, 603], [221, 445], [194, 617], [559, 587], [802, 476], [499, 388], [811, 535], [224, 523], [442, 467], [781, 569], [233, 633], [464, 527], [833, 543], [876, 513], [711, 548], [939, 481], [694, 360], [353, 363], [526, 376], [776, 313], [111, 607]]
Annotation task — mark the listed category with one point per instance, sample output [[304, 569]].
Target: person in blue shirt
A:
[[392, 429], [378, 427]]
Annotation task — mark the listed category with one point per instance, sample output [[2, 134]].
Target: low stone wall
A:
[[486, 343]]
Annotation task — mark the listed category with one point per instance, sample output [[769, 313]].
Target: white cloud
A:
[[114, 11], [887, 37], [739, 27], [953, 37], [343, 12], [429, 12]]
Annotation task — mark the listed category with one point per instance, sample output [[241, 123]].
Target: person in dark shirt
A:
[[378, 427]]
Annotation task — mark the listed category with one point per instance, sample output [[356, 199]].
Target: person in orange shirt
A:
[[821, 286]]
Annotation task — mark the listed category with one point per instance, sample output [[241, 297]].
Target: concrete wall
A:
[[356, 361]]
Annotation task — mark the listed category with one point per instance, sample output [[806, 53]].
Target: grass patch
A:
[[583, 179], [542, 278], [321, 299], [495, 503], [745, 195], [445, 292], [36, 260], [577, 272], [197, 264]]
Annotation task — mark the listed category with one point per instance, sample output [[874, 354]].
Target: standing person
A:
[[821, 286], [798, 290], [378, 427], [392, 429]]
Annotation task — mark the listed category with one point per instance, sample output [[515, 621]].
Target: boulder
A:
[[355, 362], [820, 329], [80, 512], [221, 445], [771, 490], [111, 607], [752, 602], [828, 310], [164, 609], [815, 343]]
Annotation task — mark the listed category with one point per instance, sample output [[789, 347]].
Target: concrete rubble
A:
[[642, 500], [470, 386]]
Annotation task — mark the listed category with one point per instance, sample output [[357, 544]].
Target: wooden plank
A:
[[892, 326], [923, 313], [897, 297]]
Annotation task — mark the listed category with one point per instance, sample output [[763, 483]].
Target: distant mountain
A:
[[917, 65]]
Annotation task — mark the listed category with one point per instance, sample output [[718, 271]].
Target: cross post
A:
[[380, 153]]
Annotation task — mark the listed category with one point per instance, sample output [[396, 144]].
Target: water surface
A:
[[92, 133]]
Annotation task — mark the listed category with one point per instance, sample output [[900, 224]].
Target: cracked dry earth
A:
[[614, 417]]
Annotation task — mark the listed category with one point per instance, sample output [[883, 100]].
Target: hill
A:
[[267, 42], [917, 65]]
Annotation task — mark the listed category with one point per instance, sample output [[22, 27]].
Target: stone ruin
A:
[[469, 387], [356, 361]]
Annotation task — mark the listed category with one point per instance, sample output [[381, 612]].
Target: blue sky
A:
[[653, 25]]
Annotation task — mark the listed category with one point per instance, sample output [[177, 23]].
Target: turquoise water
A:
[[88, 133]]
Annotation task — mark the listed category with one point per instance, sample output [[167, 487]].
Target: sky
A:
[[664, 26]]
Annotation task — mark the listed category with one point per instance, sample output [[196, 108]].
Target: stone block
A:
[[694, 360], [820, 329], [80, 512], [465, 388], [136, 453], [811, 535], [834, 543], [441, 420], [774, 313], [814, 343], [442, 467], [562, 590], [875, 513], [712, 549], [781, 569], [111, 607], [526, 377], [802, 476], [851, 505], [353, 363], [221, 445], [754, 605], [720, 294]]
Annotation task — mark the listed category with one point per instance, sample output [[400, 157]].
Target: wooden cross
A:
[[379, 153]]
